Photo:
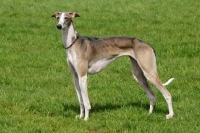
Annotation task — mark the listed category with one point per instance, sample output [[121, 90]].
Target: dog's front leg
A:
[[84, 93], [80, 99], [78, 90]]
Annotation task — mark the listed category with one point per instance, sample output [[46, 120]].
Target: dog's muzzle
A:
[[59, 26]]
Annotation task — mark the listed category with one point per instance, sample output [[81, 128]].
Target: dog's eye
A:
[[58, 18], [66, 18]]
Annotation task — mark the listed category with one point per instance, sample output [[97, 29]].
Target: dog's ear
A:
[[56, 14], [73, 14]]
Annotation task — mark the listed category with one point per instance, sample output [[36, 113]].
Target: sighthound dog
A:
[[91, 55]]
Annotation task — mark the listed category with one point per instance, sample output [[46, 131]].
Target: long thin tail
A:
[[168, 82]]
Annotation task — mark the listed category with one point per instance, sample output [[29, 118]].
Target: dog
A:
[[88, 55]]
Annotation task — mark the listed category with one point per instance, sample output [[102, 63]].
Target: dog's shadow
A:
[[97, 108]]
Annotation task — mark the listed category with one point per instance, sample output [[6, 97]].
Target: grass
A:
[[36, 88]]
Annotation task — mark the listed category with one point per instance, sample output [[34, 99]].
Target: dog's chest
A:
[[71, 57]]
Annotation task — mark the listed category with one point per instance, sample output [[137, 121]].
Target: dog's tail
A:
[[168, 82]]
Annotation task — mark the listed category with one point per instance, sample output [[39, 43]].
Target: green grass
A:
[[36, 88]]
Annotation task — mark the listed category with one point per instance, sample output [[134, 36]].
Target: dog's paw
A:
[[169, 116], [86, 118], [79, 116]]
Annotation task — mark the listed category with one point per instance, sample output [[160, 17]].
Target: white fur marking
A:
[[62, 19]]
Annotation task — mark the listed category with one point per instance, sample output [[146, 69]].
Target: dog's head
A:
[[64, 18]]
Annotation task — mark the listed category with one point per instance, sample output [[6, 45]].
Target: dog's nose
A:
[[59, 26]]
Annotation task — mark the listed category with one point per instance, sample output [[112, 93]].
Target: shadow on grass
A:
[[138, 105], [98, 108]]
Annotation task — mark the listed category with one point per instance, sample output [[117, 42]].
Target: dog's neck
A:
[[69, 36]]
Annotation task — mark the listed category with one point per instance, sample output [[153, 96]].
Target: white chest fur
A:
[[71, 57]]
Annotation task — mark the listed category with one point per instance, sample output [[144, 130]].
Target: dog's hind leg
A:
[[147, 62], [141, 79], [154, 79]]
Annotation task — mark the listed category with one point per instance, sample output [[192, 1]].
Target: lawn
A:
[[36, 87]]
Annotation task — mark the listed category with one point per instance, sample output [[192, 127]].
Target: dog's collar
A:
[[72, 42]]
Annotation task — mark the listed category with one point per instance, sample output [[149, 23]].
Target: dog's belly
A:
[[100, 65]]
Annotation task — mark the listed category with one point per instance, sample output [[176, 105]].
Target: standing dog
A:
[[91, 55]]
